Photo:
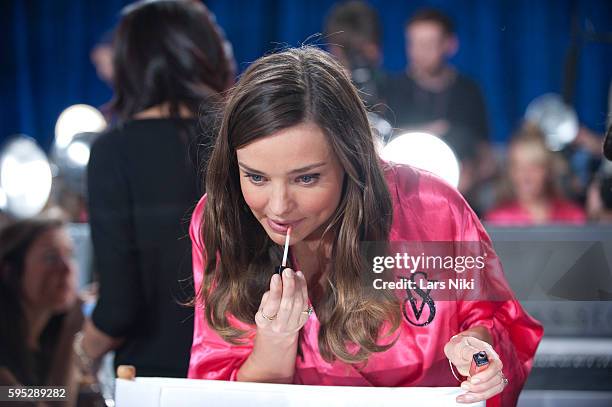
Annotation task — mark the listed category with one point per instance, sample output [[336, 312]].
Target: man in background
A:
[[432, 96]]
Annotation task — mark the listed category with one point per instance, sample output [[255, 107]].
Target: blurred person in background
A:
[[353, 34], [586, 158], [433, 97], [599, 193], [101, 57], [39, 309], [599, 200], [169, 65], [531, 195]]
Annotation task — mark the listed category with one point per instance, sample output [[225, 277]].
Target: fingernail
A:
[[467, 397], [465, 386], [287, 272], [275, 279], [475, 380], [299, 273]]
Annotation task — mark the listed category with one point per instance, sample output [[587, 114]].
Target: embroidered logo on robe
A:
[[418, 308]]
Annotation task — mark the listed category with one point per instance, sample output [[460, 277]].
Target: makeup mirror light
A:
[[424, 151], [75, 131], [25, 177], [557, 120], [77, 119]]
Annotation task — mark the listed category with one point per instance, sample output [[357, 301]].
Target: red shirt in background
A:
[[513, 214]]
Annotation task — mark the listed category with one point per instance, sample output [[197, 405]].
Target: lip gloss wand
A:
[[279, 269]]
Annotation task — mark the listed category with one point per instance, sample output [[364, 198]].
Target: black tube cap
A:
[[480, 358], [279, 269]]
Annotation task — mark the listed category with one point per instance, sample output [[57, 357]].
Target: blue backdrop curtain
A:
[[514, 49]]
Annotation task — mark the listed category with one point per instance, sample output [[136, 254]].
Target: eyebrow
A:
[[297, 170]]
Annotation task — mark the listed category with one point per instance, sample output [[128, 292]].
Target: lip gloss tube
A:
[[279, 269], [480, 362]]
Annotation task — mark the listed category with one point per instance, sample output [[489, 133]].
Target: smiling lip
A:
[[281, 227]]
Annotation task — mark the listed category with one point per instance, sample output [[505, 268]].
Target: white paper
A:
[[166, 392]]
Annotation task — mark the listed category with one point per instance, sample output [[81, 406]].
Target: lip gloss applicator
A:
[[279, 269]]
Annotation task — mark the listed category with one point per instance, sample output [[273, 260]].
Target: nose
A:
[[67, 265], [280, 202]]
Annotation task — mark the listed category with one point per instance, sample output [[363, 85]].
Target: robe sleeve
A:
[[515, 333], [212, 357]]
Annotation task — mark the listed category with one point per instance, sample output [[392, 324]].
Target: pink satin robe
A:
[[425, 209]]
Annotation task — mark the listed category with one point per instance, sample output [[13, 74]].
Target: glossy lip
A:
[[279, 227]]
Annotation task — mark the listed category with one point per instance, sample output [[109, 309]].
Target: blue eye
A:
[[308, 179], [255, 179]]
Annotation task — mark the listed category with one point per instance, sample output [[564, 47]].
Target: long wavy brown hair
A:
[[276, 92]]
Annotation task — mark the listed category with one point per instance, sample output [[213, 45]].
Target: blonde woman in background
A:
[[529, 195]]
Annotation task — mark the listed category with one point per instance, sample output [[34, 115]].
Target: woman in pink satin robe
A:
[[291, 176]]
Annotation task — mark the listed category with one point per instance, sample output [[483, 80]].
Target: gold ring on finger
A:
[[269, 318]]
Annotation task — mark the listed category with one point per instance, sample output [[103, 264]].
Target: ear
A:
[[452, 46]]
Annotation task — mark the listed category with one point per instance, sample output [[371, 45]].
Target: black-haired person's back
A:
[[171, 65], [142, 187]]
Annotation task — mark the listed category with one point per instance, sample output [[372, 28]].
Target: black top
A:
[[461, 104], [142, 187]]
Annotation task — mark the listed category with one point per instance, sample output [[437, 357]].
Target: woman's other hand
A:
[[484, 384]]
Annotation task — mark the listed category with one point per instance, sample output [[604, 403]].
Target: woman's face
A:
[[291, 178], [528, 173], [49, 278]]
